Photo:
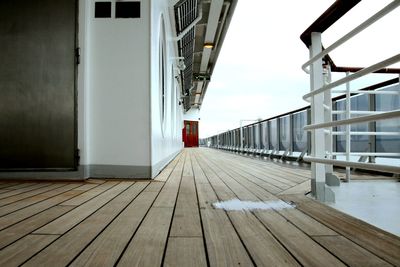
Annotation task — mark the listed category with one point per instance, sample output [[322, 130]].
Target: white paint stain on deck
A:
[[236, 204]]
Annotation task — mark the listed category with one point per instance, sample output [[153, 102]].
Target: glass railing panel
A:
[[299, 135], [386, 103]]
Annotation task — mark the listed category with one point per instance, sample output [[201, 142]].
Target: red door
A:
[[190, 134]]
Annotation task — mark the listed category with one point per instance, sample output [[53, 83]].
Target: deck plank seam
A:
[[34, 204], [30, 233], [266, 227], [258, 162], [233, 226], [345, 235], [145, 215], [30, 189], [257, 175], [13, 202], [109, 223], [199, 210], [251, 181], [100, 207], [266, 174], [173, 212], [61, 204], [61, 235]]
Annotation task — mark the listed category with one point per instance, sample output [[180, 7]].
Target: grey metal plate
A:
[[37, 84]]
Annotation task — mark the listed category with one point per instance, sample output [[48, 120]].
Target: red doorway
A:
[[190, 133]]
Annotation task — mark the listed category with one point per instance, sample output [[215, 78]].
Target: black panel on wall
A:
[[127, 9], [102, 10], [37, 84]]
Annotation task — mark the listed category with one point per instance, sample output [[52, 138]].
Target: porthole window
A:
[[162, 73]]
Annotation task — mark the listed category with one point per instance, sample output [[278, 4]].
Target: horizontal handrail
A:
[[357, 112], [387, 9], [358, 74], [368, 133], [359, 165], [374, 154], [377, 92], [375, 117]]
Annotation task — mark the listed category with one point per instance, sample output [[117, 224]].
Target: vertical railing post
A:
[[372, 128], [317, 116], [328, 118], [291, 135], [348, 128], [241, 136]]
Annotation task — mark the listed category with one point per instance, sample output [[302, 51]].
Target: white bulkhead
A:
[[130, 117]]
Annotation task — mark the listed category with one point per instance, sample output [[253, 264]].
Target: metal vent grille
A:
[[186, 48], [185, 13]]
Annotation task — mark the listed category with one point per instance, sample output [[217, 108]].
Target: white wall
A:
[[192, 114], [119, 64], [166, 140]]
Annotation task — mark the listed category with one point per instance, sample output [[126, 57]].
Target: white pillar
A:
[[328, 118], [348, 128], [317, 116]]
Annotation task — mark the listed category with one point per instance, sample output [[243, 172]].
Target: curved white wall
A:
[[164, 144]]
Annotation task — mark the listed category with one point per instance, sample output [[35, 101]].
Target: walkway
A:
[[173, 221]]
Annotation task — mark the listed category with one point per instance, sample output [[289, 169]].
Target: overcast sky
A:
[[258, 73]]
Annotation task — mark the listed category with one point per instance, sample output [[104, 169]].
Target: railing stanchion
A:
[[317, 116], [348, 128]]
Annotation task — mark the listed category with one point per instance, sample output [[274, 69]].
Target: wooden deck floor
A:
[[172, 221]]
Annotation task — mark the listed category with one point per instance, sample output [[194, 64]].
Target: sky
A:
[[258, 73]]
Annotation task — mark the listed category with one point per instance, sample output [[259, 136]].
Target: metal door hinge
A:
[[78, 55], [77, 156]]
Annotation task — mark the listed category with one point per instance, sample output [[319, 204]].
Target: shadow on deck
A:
[[172, 221]]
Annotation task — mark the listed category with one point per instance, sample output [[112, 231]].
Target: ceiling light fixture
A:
[[209, 45]]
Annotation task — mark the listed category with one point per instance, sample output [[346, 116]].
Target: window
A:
[[162, 75], [102, 10], [127, 9], [187, 128]]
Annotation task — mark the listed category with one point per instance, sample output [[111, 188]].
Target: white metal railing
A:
[[322, 123]]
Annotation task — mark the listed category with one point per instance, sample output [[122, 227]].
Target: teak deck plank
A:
[[349, 252], [301, 188], [81, 235], [29, 211], [283, 184], [172, 220], [109, 245], [36, 199], [185, 251], [13, 233], [72, 218], [167, 196], [307, 251], [22, 190], [148, 244], [186, 220], [11, 199], [262, 246], [23, 249], [7, 185], [381, 243], [82, 198], [165, 173], [223, 244], [307, 224], [20, 186]]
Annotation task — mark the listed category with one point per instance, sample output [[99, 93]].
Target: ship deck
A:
[[173, 220]]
